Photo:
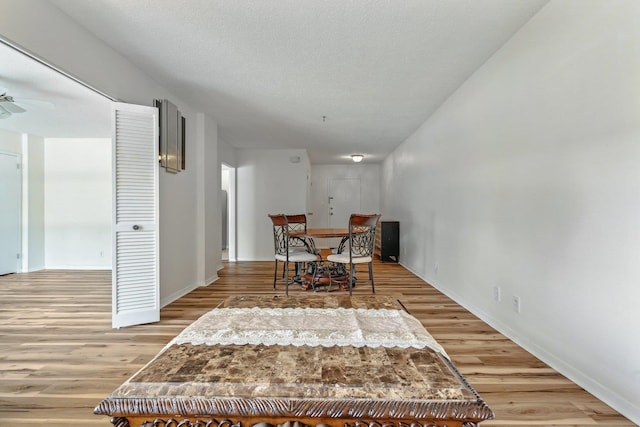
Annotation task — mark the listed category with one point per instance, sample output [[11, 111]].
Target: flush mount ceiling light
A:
[[357, 157]]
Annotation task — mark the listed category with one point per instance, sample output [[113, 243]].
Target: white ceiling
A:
[[57, 107], [269, 71]]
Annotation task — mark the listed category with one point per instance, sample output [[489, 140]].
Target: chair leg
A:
[[314, 272], [351, 276], [275, 275], [330, 274], [299, 266], [373, 289], [286, 278]]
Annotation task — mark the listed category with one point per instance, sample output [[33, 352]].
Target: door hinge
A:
[[18, 256], [17, 165]]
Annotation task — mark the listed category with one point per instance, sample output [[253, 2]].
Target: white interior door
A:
[[9, 213], [135, 276], [344, 199]]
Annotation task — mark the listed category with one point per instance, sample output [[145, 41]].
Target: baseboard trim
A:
[[178, 294], [617, 402], [210, 280]]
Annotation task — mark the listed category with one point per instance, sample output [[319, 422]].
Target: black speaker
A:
[[389, 241]]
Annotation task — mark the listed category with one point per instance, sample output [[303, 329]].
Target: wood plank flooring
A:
[[59, 356]]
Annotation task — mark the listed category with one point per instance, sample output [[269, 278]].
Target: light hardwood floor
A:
[[59, 356]]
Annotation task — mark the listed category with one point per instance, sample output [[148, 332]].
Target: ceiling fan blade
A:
[[35, 102], [4, 114], [12, 108]]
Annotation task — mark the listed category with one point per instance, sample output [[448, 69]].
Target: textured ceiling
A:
[[269, 71]]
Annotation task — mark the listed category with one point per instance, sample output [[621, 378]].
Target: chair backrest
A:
[[362, 234], [280, 234], [296, 224]]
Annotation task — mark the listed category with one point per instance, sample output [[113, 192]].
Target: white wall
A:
[[77, 203], [208, 193], [10, 142], [268, 183], [30, 149], [69, 46], [33, 226], [213, 228], [527, 178], [226, 153]]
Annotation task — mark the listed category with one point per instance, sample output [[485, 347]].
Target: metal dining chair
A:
[[298, 242], [358, 247], [284, 252], [297, 226]]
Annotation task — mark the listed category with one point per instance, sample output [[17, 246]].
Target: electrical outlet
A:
[[516, 304], [497, 294]]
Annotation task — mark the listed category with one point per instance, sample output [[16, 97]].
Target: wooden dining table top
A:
[[324, 232]]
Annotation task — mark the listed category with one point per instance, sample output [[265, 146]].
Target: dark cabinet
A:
[[388, 241]]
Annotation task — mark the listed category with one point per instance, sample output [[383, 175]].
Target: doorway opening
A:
[[62, 139], [228, 212]]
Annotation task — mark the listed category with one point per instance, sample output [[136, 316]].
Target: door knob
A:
[[136, 227]]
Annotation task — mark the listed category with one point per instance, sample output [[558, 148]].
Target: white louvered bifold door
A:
[[135, 292]]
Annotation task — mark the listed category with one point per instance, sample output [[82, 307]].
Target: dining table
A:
[[323, 233], [318, 272]]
